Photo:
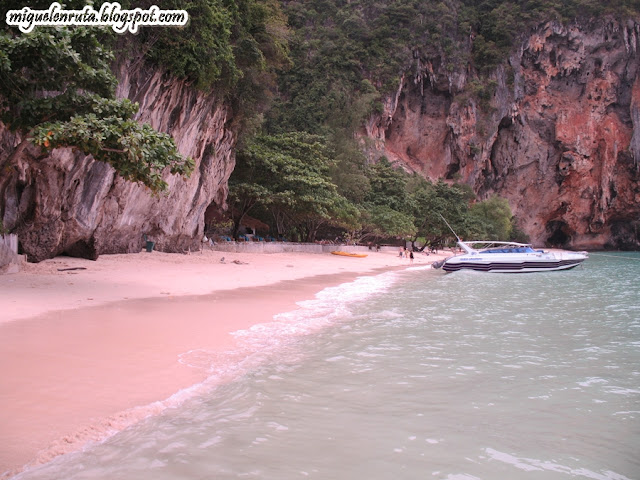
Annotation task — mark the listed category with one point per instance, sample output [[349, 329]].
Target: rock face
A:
[[558, 136], [68, 203]]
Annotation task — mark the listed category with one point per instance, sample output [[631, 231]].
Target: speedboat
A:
[[509, 257]]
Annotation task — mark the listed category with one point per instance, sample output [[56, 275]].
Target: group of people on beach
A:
[[406, 253]]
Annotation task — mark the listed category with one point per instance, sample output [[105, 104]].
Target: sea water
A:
[[411, 375]]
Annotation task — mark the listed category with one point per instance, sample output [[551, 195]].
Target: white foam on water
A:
[[592, 381], [420, 268], [532, 464], [459, 476], [257, 343], [632, 392], [330, 305]]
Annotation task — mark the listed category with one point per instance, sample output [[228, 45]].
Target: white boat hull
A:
[[511, 258], [511, 267]]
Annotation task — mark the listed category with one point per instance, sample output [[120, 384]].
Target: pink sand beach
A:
[[88, 348]]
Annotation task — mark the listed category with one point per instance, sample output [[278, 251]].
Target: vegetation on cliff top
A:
[[57, 89], [231, 47], [347, 56]]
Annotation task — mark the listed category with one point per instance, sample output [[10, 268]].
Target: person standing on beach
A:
[[410, 257]]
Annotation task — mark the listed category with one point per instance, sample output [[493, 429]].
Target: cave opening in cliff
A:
[[558, 236], [83, 249], [625, 235], [452, 170], [218, 220]]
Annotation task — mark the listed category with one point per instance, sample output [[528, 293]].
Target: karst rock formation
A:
[[69, 203], [558, 136]]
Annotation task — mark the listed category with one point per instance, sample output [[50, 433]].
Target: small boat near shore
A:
[[509, 257], [348, 254]]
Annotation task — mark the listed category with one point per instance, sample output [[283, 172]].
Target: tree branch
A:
[[115, 150]]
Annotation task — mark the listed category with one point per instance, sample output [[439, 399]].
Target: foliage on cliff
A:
[[232, 47], [225, 43], [348, 55], [57, 89], [495, 25]]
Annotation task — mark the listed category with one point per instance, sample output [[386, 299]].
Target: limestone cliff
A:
[[69, 203], [559, 136], [556, 132]]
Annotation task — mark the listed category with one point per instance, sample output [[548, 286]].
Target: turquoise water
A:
[[412, 375]]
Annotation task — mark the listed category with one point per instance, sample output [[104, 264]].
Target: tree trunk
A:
[[312, 230], [237, 220], [278, 217]]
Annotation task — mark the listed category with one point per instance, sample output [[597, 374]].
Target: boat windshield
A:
[[509, 250]]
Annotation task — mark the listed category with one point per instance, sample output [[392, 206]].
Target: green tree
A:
[[492, 219], [57, 90], [225, 43], [289, 174], [202, 51], [388, 186], [349, 172], [385, 209], [432, 202], [382, 221], [232, 46]]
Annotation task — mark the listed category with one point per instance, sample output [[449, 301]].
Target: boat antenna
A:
[[452, 231]]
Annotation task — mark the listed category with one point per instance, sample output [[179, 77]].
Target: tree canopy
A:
[[288, 175], [284, 180], [233, 47]]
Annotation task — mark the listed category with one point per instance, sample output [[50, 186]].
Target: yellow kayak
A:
[[348, 254]]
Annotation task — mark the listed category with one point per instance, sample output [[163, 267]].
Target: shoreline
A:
[[134, 324], [66, 283]]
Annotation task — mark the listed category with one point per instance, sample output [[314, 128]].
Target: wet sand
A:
[[73, 373]]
